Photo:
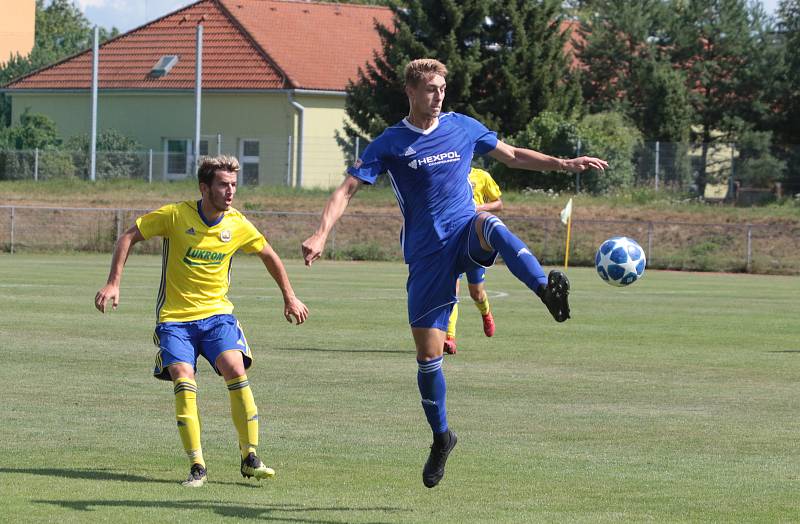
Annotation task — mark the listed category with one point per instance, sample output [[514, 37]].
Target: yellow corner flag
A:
[[566, 219]]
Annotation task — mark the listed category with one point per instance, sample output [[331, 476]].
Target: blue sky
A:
[[128, 14]]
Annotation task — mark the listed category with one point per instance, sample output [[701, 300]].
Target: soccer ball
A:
[[620, 261]]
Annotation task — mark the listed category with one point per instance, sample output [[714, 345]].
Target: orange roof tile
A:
[[247, 44], [317, 45]]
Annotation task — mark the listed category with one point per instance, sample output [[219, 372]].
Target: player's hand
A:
[[576, 165], [312, 248], [106, 293], [294, 308]]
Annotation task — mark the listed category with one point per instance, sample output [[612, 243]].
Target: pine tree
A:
[[627, 69], [505, 59], [788, 126], [720, 46], [446, 30], [525, 69]]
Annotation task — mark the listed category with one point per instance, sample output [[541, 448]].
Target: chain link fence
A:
[[773, 249]]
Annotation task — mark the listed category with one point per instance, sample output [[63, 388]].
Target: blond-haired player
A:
[[194, 315]]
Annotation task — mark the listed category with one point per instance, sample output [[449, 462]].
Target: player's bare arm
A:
[[110, 292], [521, 158], [491, 207], [334, 209], [292, 306]]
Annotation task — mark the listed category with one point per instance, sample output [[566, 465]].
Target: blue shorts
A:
[[477, 275], [432, 279], [183, 342]]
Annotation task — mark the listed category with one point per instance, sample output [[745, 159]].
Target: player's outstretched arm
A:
[[110, 292], [521, 158], [292, 306], [334, 209]]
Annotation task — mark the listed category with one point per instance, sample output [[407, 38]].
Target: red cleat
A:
[[450, 346], [488, 324]]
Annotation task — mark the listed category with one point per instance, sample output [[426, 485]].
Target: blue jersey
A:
[[429, 173]]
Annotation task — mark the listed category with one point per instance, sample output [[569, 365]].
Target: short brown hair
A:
[[209, 165], [417, 70]]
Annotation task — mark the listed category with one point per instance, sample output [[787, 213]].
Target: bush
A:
[[605, 135], [117, 154], [611, 137], [551, 134]]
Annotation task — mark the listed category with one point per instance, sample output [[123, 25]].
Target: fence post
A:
[[357, 150], [12, 230], [658, 151], [578, 175], [149, 166], [333, 242], [749, 259], [546, 235], [649, 241], [36, 165], [289, 162], [118, 223]]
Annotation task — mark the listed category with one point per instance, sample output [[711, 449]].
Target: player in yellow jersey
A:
[[194, 315], [486, 194]]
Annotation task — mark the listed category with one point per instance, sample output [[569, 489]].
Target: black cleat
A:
[[555, 295], [433, 471], [197, 477], [253, 467]]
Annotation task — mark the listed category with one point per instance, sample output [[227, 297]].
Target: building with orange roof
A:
[[274, 74]]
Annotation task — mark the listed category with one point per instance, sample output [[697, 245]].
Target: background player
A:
[[486, 194], [427, 156], [193, 311]]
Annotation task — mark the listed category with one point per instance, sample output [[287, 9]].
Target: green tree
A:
[[506, 63], [525, 69], [446, 30], [624, 45], [61, 31], [723, 47], [787, 129]]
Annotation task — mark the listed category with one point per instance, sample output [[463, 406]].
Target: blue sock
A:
[[515, 253], [433, 390]]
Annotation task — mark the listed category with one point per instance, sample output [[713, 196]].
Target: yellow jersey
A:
[[484, 188], [196, 258]]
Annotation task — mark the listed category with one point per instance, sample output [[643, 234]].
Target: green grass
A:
[[675, 400]]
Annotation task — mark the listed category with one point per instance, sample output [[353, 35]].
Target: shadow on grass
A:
[[99, 474], [410, 350], [784, 351], [273, 512]]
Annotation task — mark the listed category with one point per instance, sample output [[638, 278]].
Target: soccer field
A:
[[674, 400]]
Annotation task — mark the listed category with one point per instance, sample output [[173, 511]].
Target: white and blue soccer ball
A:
[[620, 261]]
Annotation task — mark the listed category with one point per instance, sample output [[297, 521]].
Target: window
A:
[[249, 158], [178, 153]]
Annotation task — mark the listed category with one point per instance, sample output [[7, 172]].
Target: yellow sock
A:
[[483, 306], [244, 413], [188, 419], [451, 324]]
